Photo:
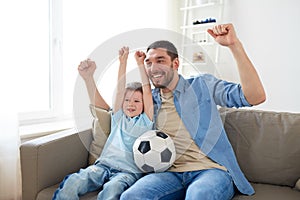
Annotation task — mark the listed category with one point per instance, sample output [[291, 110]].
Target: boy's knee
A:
[[115, 185], [65, 195]]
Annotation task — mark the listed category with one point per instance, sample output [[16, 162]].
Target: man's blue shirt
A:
[[196, 100]]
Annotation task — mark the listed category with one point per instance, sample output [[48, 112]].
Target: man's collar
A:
[[180, 87]]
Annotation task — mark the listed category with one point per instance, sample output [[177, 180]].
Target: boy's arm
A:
[[86, 70], [147, 94], [121, 83]]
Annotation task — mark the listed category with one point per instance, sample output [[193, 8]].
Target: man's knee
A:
[[215, 188], [194, 192], [128, 195]]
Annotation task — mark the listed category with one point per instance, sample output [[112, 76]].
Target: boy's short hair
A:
[[164, 44], [134, 86]]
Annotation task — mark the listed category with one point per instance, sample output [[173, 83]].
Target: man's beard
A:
[[166, 81]]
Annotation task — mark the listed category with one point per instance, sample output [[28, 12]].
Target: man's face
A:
[[159, 67]]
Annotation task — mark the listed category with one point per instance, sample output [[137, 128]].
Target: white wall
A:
[[270, 32], [103, 24]]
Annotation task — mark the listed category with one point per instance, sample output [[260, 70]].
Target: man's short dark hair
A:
[[164, 44]]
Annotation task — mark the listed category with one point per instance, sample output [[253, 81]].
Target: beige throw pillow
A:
[[297, 185], [100, 129]]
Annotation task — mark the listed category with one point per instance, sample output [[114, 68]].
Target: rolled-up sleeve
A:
[[224, 93]]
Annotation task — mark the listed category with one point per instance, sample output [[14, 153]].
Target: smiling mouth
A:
[[157, 76], [130, 110]]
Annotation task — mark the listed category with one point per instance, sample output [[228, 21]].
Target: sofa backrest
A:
[[267, 144]]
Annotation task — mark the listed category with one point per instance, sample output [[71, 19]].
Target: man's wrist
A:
[[236, 45]]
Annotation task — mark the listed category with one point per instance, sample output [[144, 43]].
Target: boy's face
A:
[[133, 103]]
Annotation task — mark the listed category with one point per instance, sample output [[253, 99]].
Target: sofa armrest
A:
[[47, 160]]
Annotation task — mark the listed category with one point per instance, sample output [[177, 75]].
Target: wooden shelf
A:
[[198, 25], [198, 6], [199, 44], [197, 40]]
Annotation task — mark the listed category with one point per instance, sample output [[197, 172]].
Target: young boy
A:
[[114, 171]]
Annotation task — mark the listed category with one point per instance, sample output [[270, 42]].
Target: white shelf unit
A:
[[199, 53]]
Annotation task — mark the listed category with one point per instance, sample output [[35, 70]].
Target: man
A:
[[186, 109]]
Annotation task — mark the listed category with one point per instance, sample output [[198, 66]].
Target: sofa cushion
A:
[[100, 129], [48, 193], [266, 144], [270, 192], [262, 192], [297, 185]]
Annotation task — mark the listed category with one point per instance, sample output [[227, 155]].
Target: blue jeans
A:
[[199, 185], [113, 183]]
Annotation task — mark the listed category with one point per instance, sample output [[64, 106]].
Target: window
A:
[[46, 40], [27, 51], [41, 68]]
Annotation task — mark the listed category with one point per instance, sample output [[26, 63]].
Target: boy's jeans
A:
[[203, 184], [92, 178]]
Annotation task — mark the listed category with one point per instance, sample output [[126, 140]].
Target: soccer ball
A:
[[154, 151]]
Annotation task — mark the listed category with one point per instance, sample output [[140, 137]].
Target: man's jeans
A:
[[92, 178], [203, 184]]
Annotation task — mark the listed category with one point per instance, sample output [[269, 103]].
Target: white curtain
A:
[[10, 173]]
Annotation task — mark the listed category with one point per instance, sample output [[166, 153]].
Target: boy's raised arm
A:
[[86, 70], [121, 84], [147, 94]]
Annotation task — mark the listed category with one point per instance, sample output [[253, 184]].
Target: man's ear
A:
[[176, 63]]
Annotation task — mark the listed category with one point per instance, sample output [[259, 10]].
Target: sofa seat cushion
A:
[[48, 193], [262, 192], [270, 192]]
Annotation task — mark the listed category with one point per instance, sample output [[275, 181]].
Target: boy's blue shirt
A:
[[196, 100], [117, 152]]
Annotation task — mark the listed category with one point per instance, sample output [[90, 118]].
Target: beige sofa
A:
[[267, 146]]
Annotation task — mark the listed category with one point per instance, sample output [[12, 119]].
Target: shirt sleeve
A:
[[224, 93]]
